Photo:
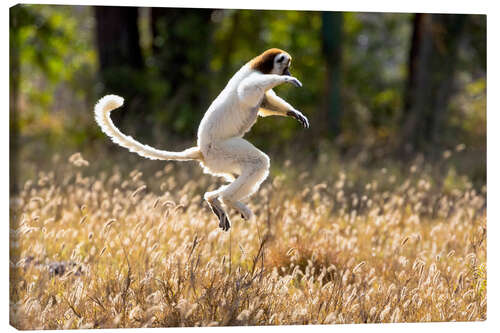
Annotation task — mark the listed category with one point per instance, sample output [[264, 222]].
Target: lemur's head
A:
[[272, 61]]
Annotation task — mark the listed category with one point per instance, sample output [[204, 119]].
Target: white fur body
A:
[[227, 119], [221, 149], [228, 116]]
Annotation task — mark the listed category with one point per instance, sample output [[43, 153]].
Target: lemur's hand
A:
[[299, 116], [293, 80]]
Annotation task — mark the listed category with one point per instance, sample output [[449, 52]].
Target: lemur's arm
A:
[[273, 105], [251, 89]]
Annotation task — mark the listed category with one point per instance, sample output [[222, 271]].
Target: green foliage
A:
[[57, 69], [59, 82], [468, 118], [374, 64]]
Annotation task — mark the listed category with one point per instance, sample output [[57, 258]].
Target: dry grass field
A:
[[329, 245]]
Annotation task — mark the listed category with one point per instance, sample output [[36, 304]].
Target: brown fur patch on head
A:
[[264, 63]]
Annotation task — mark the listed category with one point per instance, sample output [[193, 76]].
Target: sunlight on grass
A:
[[114, 249]]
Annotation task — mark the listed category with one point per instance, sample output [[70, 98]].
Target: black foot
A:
[[224, 223]]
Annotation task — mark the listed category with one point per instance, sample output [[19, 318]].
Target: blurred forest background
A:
[[378, 87]]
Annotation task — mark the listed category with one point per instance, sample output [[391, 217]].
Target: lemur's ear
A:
[[264, 62]]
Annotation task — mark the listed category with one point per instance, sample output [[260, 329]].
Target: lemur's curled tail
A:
[[102, 112]]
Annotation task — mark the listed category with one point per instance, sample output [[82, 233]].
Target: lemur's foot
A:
[[240, 207], [245, 213], [217, 209], [224, 223]]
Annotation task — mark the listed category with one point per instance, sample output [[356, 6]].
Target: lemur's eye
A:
[[280, 58]]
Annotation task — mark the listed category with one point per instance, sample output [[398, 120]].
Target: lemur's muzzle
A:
[[286, 71]]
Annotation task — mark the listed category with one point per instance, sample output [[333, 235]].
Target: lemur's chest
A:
[[248, 117]]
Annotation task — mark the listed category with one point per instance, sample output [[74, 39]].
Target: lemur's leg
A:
[[212, 199], [252, 175], [240, 207], [254, 168]]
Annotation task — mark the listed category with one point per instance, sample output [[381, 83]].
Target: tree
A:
[[331, 34], [181, 55], [118, 37], [121, 64], [431, 72], [37, 43]]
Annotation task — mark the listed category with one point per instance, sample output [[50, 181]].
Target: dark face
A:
[[282, 64], [272, 61]]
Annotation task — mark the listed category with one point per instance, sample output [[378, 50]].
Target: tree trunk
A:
[[118, 37], [121, 64], [431, 69], [332, 51], [181, 53]]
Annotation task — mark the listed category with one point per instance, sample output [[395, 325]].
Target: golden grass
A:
[[145, 251]]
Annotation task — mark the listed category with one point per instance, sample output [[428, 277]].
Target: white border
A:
[[441, 6]]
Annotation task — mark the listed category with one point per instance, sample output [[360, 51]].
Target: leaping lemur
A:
[[221, 149]]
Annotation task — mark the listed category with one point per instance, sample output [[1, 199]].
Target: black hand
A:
[[294, 81], [300, 117]]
